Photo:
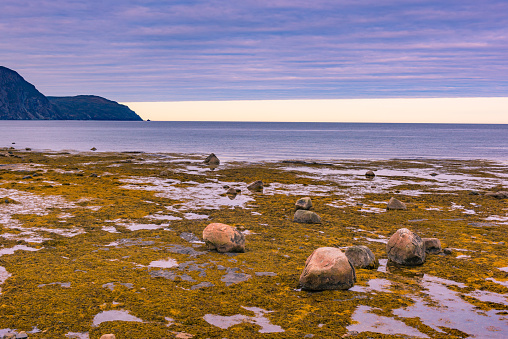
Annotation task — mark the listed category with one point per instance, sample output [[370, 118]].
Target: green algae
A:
[[92, 260]]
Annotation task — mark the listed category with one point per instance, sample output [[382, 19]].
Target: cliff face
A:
[[91, 107], [20, 100]]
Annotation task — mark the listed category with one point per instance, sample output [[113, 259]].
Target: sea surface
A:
[[248, 141]]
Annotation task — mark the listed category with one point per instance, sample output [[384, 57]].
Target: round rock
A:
[[327, 268], [255, 186], [361, 257], [303, 204], [223, 238], [370, 174], [406, 248], [394, 204], [306, 217]]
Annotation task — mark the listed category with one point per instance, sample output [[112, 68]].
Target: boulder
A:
[[223, 238], [370, 174], [498, 195], [108, 336], [232, 191], [406, 248], [306, 217], [255, 186], [327, 268], [432, 245], [303, 204], [212, 160], [394, 204], [361, 257]]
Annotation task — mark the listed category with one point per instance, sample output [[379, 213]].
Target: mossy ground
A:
[[30, 298]]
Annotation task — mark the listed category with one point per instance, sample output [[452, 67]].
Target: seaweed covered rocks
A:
[[306, 217], [406, 248], [361, 257], [223, 238], [327, 268]]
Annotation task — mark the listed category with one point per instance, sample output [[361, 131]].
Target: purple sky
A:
[[144, 50]]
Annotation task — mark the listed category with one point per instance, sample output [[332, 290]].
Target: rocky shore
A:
[[139, 245]]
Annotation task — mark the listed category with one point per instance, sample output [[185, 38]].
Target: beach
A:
[[112, 242]]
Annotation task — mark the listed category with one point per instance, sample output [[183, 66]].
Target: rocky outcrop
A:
[[406, 248], [394, 204], [223, 238], [20, 100], [306, 217], [91, 107], [303, 204], [361, 257], [327, 268]]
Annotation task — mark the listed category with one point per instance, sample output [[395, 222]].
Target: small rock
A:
[[447, 251], [28, 149], [370, 174], [93, 175], [22, 335], [498, 195], [9, 336], [433, 174], [474, 193], [394, 204], [108, 336], [212, 160], [223, 238], [432, 245], [361, 257], [225, 187], [327, 268], [27, 177], [306, 217], [303, 204], [255, 186], [406, 248], [93, 149], [232, 191]]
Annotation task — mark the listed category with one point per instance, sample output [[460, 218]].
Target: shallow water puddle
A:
[[78, 335], [259, 319], [380, 285], [136, 227], [165, 263], [11, 250], [114, 315]]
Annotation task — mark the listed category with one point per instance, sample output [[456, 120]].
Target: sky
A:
[[276, 51]]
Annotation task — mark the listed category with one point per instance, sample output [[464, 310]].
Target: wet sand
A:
[[95, 243]]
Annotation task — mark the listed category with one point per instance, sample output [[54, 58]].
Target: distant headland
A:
[[20, 100]]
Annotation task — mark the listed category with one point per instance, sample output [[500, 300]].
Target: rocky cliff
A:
[[91, 107], [20, 100]]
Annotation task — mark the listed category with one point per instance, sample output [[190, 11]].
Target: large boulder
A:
[[255, 186], [306, 217], [432, 245], [212, 160], [406, 248], [327, 268], [223, 238], [303, 204], [394, 204], [361, 257]]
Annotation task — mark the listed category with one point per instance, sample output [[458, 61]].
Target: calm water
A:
[[265, 141]]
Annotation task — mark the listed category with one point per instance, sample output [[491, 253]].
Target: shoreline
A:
[[92, 233]]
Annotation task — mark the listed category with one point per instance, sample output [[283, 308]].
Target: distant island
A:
[[20, 100]]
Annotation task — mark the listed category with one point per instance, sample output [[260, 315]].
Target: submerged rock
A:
[[327, 268], [223, 238], [406, 248], [394, 204], [212, 160], [361, 257], [303, 204], [255, 186], [432, 245], [498, 195], [306, 217]]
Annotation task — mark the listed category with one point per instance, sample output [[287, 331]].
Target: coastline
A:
[[88, 232]]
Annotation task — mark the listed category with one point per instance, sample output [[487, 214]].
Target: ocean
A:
[[261, 141]]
